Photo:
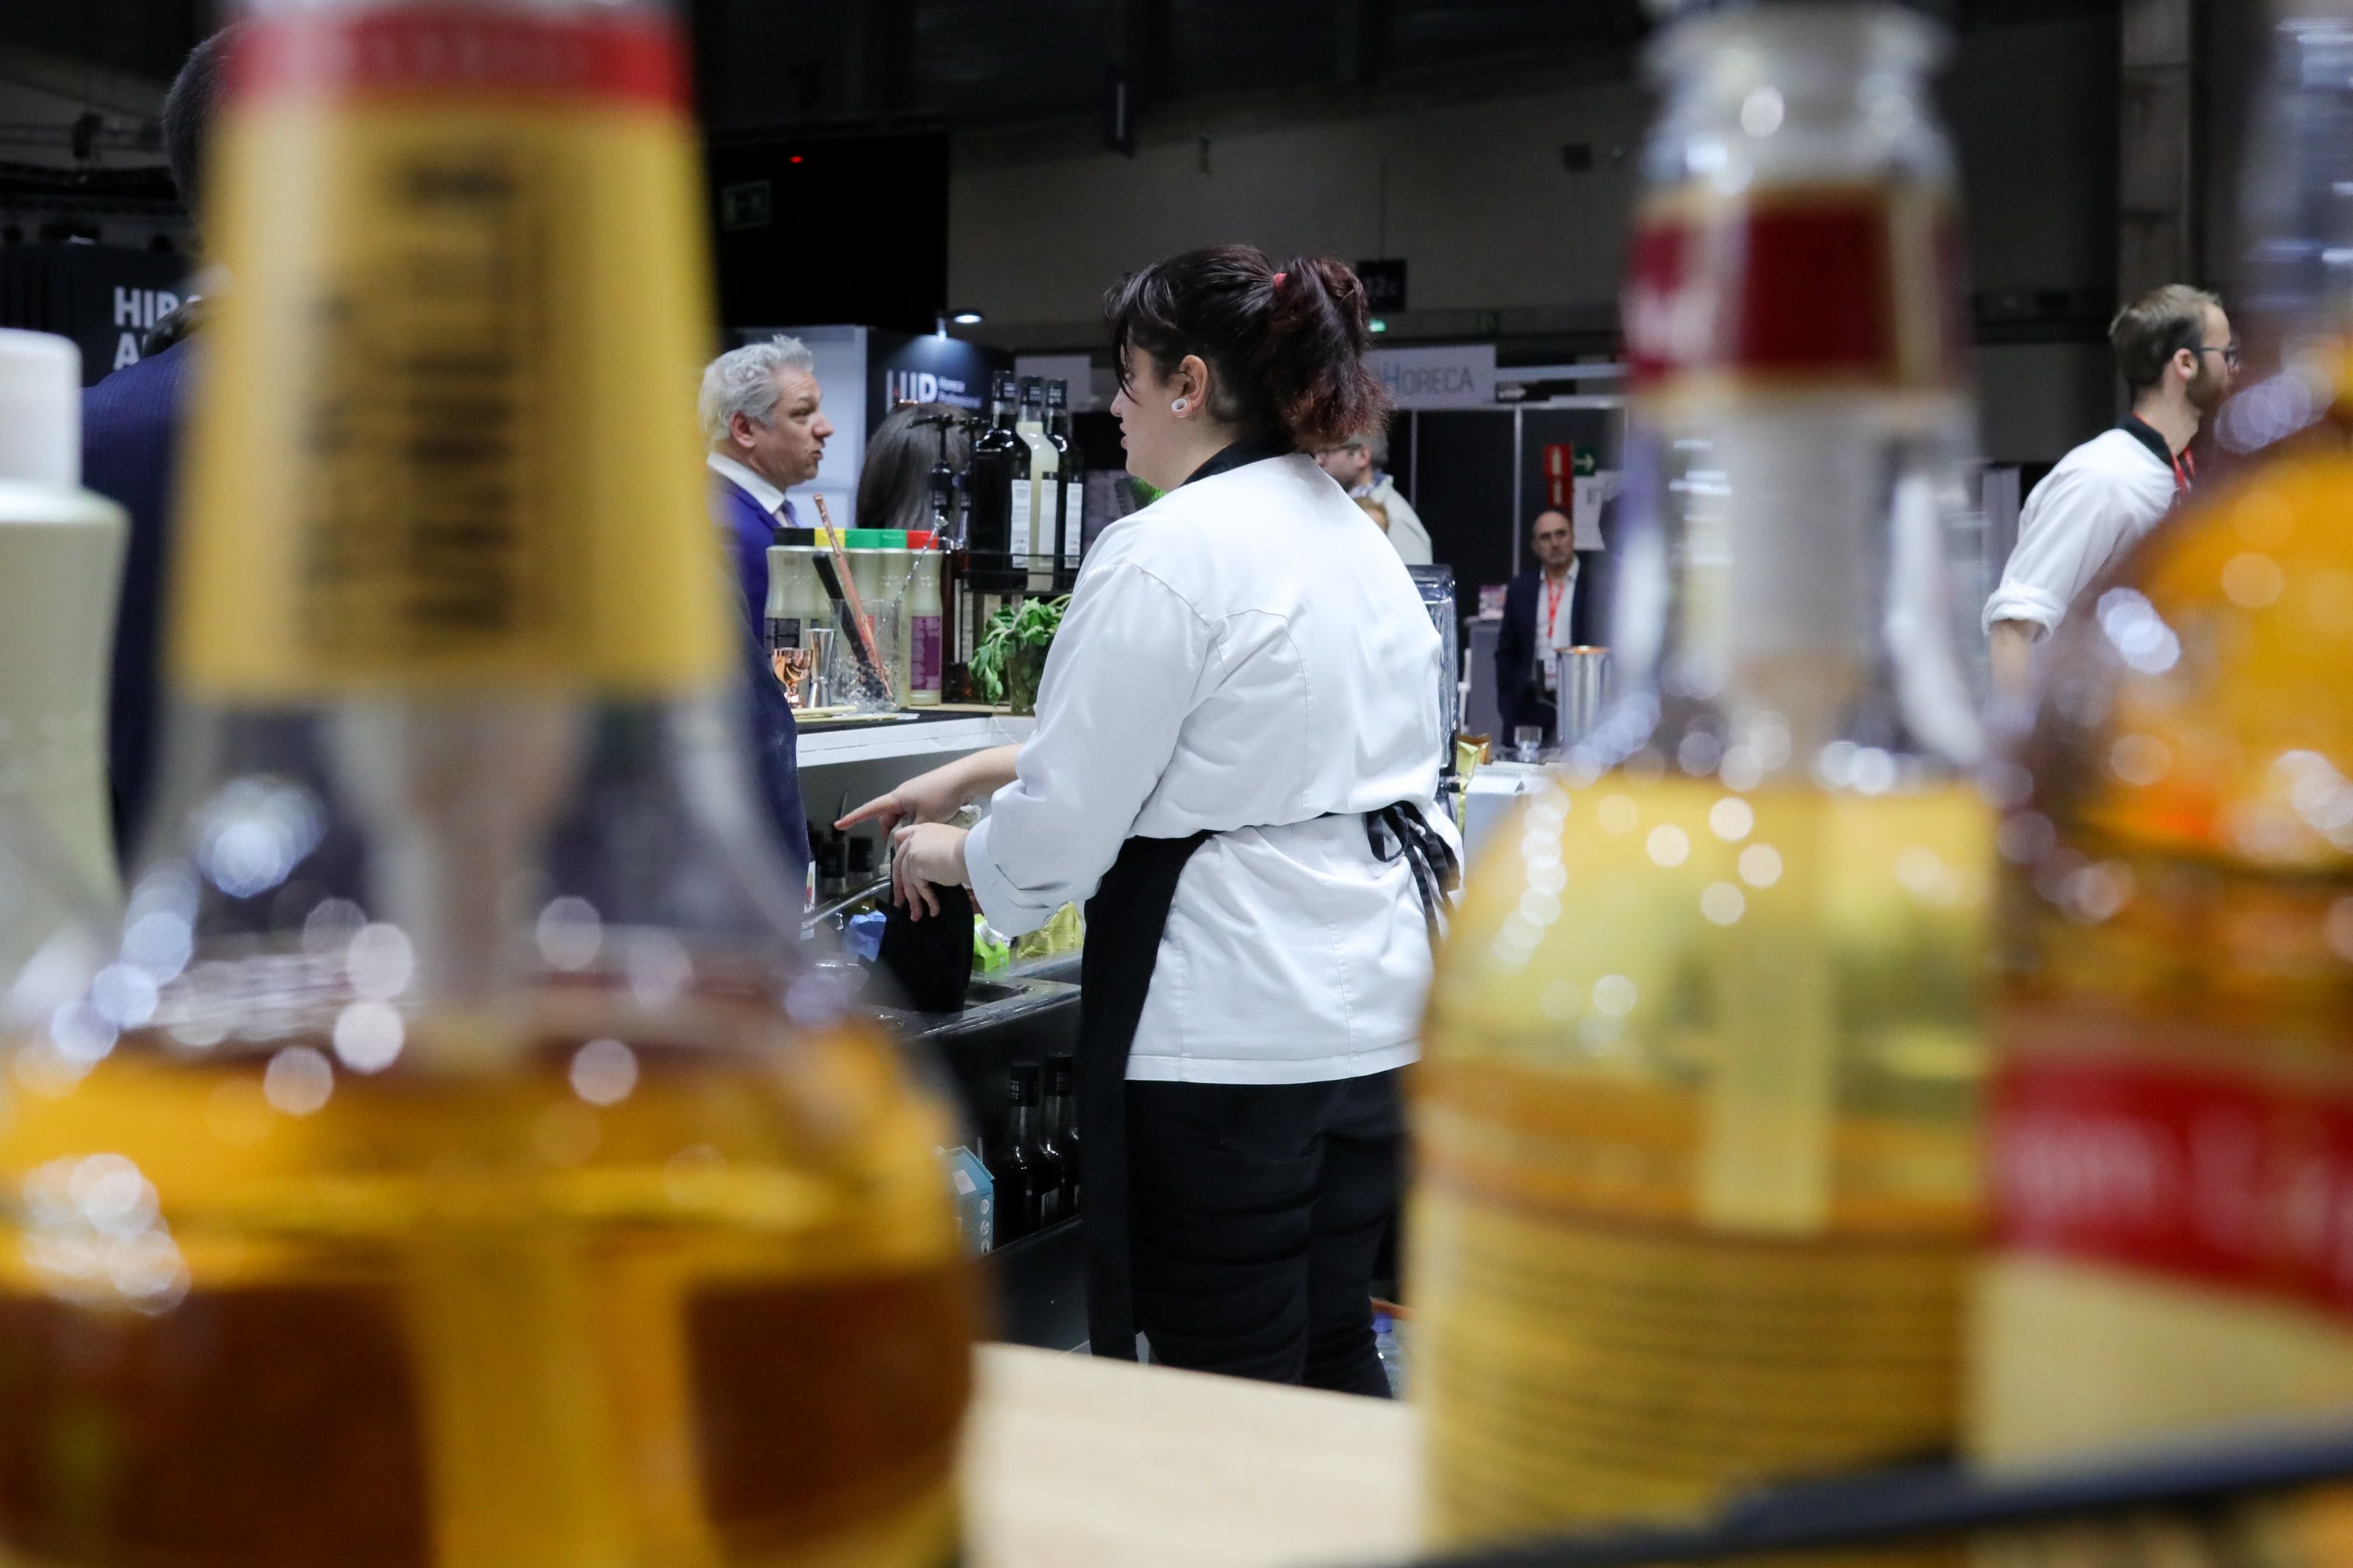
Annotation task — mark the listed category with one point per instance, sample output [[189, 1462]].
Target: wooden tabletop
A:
[[1072, 1462]]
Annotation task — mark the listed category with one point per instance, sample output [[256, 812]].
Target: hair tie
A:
[[1279, 278]]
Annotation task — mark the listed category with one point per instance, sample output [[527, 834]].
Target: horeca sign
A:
[[1461, 376]]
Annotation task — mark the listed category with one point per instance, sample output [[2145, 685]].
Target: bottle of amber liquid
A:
[[2171, 1125], [1694, 1128], [450, 1167]]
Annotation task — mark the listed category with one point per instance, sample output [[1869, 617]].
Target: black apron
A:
[[1124, 921]]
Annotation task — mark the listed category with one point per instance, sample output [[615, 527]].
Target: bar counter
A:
[[1075, 1462]]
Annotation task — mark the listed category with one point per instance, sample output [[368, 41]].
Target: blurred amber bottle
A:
[[446, 1162], [2172, 1119], [1695, 1129]]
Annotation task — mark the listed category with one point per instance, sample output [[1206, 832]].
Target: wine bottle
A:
[[995, 495], [1074, 479], [1045, 487], [1028, 1184], [1061, 1120]]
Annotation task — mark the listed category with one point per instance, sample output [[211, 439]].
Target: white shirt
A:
[[1245, 655], [1559, 633], [2087, 512], [1406, 536], [770, 498]]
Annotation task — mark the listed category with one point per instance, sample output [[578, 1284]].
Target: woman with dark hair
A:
[[1236, 765], [895, 485]]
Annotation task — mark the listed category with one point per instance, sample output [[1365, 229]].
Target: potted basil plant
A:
[[1012, 652]]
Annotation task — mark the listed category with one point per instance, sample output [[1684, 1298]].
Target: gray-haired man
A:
[[1357, 465], [761, 413]]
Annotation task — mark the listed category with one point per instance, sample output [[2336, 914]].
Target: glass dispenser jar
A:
[[1696, 1178], [2171, 1127], [450, 1165]]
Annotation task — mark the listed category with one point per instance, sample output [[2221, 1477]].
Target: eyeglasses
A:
[[2230, 353]]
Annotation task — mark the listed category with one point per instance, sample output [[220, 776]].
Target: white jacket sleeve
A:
[[2074, 522], [1132, 660]]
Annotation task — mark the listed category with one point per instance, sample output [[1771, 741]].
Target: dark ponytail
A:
[[1285, 345]]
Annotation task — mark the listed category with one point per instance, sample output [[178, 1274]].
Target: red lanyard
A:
[[1552, 603], [2185, 471]]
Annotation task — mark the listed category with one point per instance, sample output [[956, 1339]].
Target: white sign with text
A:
[[1459, 375]]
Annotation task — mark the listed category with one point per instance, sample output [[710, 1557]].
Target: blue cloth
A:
[[130, 448], [748, 529], [771, 736]]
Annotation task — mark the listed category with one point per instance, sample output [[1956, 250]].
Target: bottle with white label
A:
[[1074, 479], [898, 571], [1045, 487], [925, 622], [800, 616]]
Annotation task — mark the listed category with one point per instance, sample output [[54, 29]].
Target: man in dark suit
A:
[[1560, 603], [130, 439], [763, 415]]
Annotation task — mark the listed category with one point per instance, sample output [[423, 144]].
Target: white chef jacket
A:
[[2086, 513], [1244, 655]]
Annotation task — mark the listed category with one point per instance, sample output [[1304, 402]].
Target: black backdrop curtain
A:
[[101, 296]]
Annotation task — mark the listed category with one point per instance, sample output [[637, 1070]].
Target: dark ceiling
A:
[[986, 63], [980, 64], [140, 37]]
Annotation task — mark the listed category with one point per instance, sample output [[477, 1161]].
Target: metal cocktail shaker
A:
[[1581, 678]]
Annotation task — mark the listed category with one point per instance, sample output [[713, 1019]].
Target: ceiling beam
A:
[[875, 54], [1139, 46], [1360, 34]]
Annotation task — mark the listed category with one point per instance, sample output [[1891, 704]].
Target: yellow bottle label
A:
[[1695, 1172], [445, 436]]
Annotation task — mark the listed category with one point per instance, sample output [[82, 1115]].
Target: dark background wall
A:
[[1489, 143]]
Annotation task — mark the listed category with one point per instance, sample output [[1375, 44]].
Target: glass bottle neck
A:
[[1796, 501], [1821, 60], [1797, 94]]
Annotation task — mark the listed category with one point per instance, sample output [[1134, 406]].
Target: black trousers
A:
[[1255, 1214]]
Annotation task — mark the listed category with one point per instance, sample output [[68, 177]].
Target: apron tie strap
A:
[[1399, 831]]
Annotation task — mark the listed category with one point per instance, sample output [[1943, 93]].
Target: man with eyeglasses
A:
[[2178, 360]]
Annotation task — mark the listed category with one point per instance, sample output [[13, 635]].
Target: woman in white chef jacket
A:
[[1236, 763]]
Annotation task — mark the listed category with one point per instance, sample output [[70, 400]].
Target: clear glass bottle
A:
[[1697, 1181], [452, 1165], [2171, 1125], [1061, 1117]]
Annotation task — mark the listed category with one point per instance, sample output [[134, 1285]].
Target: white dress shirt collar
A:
[[1562, 632], [770, 498]]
